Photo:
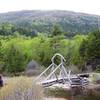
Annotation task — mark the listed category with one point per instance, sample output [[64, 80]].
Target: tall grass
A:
[[21, 89]]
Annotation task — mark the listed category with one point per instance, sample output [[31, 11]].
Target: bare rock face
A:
[[33, 68]]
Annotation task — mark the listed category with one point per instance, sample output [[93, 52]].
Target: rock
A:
[[33, 68]]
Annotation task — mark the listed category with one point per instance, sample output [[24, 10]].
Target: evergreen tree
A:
[[90, 49], [57, 30], [15, 59]]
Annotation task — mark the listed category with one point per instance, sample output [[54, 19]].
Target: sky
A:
[[85, 6]]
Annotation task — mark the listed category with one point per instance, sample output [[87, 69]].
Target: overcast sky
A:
[[86, 6]]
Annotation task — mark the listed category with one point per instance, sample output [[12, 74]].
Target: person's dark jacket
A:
[[1, 81]]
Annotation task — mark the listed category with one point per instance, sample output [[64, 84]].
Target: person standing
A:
[[1, 81]]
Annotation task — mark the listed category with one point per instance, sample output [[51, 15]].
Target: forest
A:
[[42, 21], [18, 46]]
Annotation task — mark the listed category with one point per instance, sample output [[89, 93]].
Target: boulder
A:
[[33, 68]]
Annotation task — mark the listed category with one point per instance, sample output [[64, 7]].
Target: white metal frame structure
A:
[[58, 74]]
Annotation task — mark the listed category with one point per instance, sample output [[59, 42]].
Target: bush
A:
[[91, 95], [58, 92]]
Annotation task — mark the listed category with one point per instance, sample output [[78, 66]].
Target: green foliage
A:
[[57, 30], [14, 59], [43, 21], [16, 51], [6, 29], [90, 48], [93, 50], [98, 68], [16, 34], [11, 29]]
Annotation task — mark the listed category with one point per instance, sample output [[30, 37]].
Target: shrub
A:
[[58, 92], [91, 95]]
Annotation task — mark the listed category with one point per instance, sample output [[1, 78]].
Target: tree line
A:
[[17, 50]]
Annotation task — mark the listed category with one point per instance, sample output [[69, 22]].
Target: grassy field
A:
[[21, 88]]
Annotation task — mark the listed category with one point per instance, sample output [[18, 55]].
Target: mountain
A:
[[43, 21]]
